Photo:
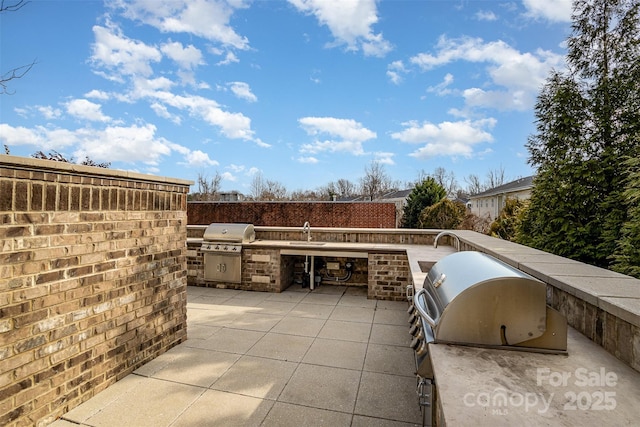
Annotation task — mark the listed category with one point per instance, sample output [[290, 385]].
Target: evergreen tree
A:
[[587, 123], [507, 223], [425, 194], [626, 258], [445, 214]]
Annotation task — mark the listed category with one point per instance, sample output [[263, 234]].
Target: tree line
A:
[[374, 184]]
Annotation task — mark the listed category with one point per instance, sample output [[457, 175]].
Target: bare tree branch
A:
[[18, 72], [12, 6], [15, 73]]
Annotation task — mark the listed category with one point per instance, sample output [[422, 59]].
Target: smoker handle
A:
[[422, 311]]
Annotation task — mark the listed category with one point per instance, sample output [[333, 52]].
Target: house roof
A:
[[399, 194], [510, 187]]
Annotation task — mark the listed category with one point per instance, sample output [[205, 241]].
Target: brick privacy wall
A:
[[389, 276], [294, 214], [93, 281]]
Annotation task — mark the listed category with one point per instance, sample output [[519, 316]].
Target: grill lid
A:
[[227, 232], [481, 300]]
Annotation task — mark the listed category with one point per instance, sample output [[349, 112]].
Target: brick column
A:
[[93, 281]]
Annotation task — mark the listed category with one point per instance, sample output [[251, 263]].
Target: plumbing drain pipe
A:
[[339, 279], [311, 274], [349, 267]]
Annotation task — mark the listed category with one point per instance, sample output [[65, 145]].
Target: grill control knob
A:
[[415, 344], [414, 330], [422, 350]]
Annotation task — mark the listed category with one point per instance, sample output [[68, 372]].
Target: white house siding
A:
[[491, 206]]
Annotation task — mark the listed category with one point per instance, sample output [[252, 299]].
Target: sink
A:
[[308, 243]]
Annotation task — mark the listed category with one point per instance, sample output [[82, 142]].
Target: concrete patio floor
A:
[[327, 357]]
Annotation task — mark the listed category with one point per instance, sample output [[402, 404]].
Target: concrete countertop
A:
[[488, 387], [329, 246]]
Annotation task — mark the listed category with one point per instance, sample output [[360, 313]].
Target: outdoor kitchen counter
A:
[[489, 387], [417, 254]]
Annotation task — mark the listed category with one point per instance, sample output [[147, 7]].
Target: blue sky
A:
[[303, 92]]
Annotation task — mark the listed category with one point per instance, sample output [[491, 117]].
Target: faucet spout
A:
[[306, 229], [450, 234]]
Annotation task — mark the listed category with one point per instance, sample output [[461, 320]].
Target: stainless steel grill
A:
[[471, 298], [222, 249]]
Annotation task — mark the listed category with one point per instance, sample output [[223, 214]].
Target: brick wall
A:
[[261, 270], [93, 281], [294, 214]]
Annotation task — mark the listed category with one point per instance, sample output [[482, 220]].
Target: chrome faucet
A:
[[306, 229], [447, 233]]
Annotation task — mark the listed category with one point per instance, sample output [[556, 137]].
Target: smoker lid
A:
[[484, 301], [229, 232]]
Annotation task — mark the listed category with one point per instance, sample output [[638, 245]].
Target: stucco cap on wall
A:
[[18, 162]]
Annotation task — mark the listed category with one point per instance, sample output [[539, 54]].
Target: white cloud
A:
[[552, 10], [125, 60], [229, 58], [442, 88], [384, 158], [484, 15], [203, 18], [163, 111], [395, 70], [231, 125], [97, 94], [87, 110], [228, 176], [350, 23], [315, 76], [144, 87], [242, 91], [199, 158], [345, 128], [307, 159], [517, 76], [39, 137], [128, 144], [349, 135], [446, 138], [186, 57], [121, 54], [504, 101], [48, 112]]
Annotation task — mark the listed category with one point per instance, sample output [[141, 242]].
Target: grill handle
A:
[[423, 313]]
